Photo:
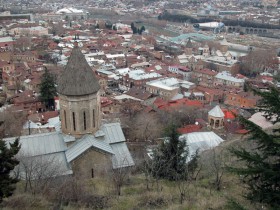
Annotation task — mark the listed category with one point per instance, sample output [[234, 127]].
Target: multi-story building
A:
[[6, 43], [33, 31], [241, 99], [181, 70], [167, 88], [26, 56], [204, 77], [226, 79], [138, 78]]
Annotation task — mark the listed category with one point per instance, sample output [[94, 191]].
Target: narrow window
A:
[[85, 121], [65, 120], [93, 118], [74, 121], [92, 173]]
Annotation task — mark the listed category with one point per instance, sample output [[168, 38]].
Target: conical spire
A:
[[216, 112], [77, 78]]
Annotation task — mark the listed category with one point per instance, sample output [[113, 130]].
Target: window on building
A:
[[93, 118], [85, 121], [65, 120], [74, 121]]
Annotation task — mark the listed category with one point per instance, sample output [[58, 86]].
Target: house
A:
[[167, 88], [204, 77], [6, 43], [241, 99], [139, 93], [29, 101], [138, 78], [85, 146], [181, 70], [27, 56], [225, 78], [110, 106], [211, 94]]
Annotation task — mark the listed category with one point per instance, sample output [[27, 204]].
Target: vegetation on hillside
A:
[[186, 18], [261, 171], [7, 164], [48, 89]]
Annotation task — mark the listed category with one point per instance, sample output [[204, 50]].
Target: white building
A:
[[225, 78], [167, 88], [70, 13]]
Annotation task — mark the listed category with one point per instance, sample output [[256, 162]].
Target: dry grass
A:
[[135, 196]]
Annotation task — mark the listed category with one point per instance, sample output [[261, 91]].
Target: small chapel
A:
[[83, 145]]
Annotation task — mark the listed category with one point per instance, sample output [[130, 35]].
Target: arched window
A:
[[74, 121], [85, 121], [65, 120]]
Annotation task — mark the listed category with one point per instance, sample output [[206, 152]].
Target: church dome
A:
[[77, 79]]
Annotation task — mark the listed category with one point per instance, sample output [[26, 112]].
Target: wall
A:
[[77, 105], [92, 159]]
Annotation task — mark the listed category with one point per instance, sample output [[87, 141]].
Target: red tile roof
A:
[[229, 114], [206, 71], [178, 103], [189, 129], [242, 131]]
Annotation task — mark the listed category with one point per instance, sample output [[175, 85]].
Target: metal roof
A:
[[122, 157], [77, 78], [216, 112], [193, 36], [84, 144], [200, 141], [40, 144], [113, 133], [53, 145], [54, 164]]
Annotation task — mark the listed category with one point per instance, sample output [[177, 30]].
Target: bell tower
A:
[[79, 98]]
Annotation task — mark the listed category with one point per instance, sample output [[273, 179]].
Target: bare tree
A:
[[39, 172], [257, 61], [11, 123], [120, 173], [191, 172], [215, 163], [151, 173], [144, 127], [180, 116]]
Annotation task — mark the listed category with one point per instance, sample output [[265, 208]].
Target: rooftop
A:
[[77, 78], [141, 74], [227, 76]]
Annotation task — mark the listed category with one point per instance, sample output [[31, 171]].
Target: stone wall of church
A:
[[93, 163], [80, 114]]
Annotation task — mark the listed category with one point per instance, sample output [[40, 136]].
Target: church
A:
[[84, 146]]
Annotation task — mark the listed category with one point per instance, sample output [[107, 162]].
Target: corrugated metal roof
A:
[[40, 144], [201, 141], [216, 112], [99, 133], [122, 157], [113, 133], [53, 165], [84, 144], [68, 138]]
